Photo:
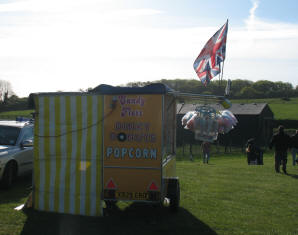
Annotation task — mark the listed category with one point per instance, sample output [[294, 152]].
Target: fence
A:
[[193, 151], [288, 124]]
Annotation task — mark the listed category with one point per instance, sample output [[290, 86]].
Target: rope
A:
[[76, 130]]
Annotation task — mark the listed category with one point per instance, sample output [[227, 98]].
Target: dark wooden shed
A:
[[255, 120]]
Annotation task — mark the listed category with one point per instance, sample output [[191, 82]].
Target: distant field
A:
[[225, 197], [282, 109], [13, 114], [269, 101]]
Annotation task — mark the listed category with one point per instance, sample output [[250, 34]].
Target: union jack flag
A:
[[207, 64]]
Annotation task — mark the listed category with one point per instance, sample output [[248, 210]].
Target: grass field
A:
[[13, 114], [282, 109], [224, 197]]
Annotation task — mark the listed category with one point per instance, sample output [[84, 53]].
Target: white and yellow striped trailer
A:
[[113, 144], [67, 153]]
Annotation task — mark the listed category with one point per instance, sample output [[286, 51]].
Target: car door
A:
[[25, 155]]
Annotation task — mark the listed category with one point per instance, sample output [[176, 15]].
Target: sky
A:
[[67, 45]]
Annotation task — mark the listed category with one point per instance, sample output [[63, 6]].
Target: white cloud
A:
[[263, 50], [252, 14], [51, 6], [263, 39]]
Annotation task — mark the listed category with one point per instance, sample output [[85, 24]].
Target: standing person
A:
[[281, 142], [294, 145], [206, 151]]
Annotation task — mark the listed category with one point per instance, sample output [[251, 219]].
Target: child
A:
[[206, 151], [254, 153]]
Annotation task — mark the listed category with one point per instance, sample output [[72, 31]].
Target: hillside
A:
[[282, 109]]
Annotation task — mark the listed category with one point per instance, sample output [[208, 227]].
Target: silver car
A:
[[16, 150]]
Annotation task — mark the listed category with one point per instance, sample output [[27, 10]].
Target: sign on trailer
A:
[[132, 144]]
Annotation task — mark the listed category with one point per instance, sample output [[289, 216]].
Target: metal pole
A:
[[223, 65]]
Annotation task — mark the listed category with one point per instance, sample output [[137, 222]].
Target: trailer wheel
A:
[[174, 194]]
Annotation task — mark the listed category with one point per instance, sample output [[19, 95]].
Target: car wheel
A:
[[8, 175]]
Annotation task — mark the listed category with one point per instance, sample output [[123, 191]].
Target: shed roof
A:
[[237, 109]]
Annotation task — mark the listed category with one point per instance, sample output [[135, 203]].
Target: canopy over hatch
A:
[[160, 88], [154, 88]]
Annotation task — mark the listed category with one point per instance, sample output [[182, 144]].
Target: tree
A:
[[137, 84], [264, 87], [248, 93], [283, 89], [5, 91], [237, 86], [240, 89], [84, 90]]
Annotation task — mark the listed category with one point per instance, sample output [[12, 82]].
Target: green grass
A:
[[225, 197], [282, 109], [235, 198], [285, 111], [11, 221], [11, 115], [267, 100]]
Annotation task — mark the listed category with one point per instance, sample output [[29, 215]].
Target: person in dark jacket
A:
[[281, 141], [251, 151], [294, 146], [254, 153]]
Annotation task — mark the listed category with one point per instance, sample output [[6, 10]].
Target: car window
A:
[[9, 135], [28, 134]]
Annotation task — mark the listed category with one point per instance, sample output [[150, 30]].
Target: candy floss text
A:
[[126, 102]]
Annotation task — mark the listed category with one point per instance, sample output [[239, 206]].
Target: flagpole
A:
[[223, 65], [219, 82]]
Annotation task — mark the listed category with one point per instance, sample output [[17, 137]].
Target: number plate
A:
[[132, 195]]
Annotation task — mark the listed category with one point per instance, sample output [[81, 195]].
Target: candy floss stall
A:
[[139, 140], [139, 143], [114, 143], [206, 122], [111, 144]]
